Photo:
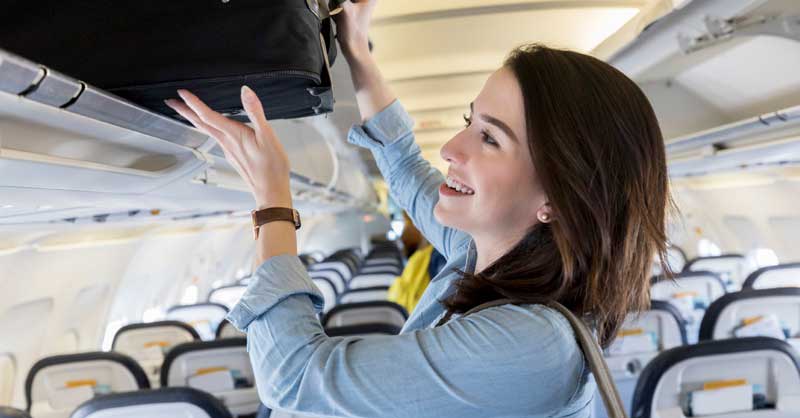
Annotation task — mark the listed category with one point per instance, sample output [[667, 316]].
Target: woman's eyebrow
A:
[[496, 122]]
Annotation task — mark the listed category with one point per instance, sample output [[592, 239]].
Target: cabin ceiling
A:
[[436, 55]]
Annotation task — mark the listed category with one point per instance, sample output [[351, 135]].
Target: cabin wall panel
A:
[[768, 209]]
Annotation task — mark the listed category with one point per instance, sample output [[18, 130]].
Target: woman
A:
[[556, 190]]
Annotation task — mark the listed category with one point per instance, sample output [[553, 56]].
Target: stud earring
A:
[[544, 217]]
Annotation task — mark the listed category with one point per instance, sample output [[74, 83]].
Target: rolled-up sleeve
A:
[[508, 360], [413, 182]]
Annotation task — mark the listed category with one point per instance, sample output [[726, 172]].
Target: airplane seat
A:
[[329, 294], [339, 266], [227, 330], [349, 257], [9, 412], [782, 275], [742, 378], [383, 261], [371, 280], [676, 261], [730, 268], [331, 275], [148, 343], [156, 403], [365, 294], [56, 385], [221, 368], [691, 292], [762, 312], [205, 317], [307, 259], [366, 312], [641, 337], [227, 295], [363, 329], [381, 268]]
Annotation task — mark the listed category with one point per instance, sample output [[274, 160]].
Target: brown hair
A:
[[597, 147]]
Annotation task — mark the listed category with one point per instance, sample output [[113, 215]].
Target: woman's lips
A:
[[446, 191]]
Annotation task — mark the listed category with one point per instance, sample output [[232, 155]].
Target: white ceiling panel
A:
[[479, 43]]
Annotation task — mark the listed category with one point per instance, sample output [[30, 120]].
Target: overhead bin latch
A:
[[721, 30]]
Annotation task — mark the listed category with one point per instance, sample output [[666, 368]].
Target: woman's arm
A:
[[504, 361], [386, 130], [259, 158], [352, 26]]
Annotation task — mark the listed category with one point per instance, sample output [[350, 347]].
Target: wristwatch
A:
[[263, 216]]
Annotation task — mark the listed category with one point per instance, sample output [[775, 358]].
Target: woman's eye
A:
[[488, 139]]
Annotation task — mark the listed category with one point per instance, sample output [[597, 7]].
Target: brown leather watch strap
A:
[[263, 216]]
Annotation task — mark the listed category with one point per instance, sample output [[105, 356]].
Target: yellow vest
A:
[[409, 287]]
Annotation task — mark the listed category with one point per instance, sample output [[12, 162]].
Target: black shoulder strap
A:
[[591, 352]]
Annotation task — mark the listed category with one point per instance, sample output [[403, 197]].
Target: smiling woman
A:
[[556, 191]]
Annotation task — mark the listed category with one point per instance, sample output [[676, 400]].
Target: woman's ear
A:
[[544, 214]]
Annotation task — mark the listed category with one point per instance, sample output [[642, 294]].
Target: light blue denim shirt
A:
[[505, 361]]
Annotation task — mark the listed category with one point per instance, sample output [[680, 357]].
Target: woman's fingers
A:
[[209, 116], [255, 111], [192, 117]]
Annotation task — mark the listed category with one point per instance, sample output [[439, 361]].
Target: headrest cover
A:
[[125, 361], [212, 406]]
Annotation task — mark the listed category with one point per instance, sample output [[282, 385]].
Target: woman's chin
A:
[[442, 216]]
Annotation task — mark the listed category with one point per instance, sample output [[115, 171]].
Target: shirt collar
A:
[[472, 257]]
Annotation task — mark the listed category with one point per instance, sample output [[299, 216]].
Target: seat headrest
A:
[[715, 310], [782, 275], [119, 371], [227, 330], [701, 263], [364, 294], [158, 403], [204, 317], [9, 412], [229, 352], [166, 326], [679, 368], [393, 312], [363, 329], [664, 306]]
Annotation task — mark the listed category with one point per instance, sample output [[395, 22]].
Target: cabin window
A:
[[8, 370], [707, 248]]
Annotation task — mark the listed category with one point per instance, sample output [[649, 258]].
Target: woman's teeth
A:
[[458, 186]]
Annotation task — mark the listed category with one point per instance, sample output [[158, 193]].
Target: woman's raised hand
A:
[[255, 152], [352, 25]]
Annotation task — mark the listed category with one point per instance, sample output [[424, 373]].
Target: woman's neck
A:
[[490, 249]]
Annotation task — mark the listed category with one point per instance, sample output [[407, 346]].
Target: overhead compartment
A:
[[722, 77], [65, 138]]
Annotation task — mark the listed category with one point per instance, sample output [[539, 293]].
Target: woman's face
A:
[[493, 188]]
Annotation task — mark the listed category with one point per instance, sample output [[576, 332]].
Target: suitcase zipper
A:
[[270, 74]]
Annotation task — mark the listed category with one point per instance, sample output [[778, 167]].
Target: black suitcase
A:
[[143, 50]]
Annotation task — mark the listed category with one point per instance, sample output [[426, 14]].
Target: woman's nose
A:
[[451, 151]]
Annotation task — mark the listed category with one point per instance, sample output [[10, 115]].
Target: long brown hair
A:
[[599, 154]]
